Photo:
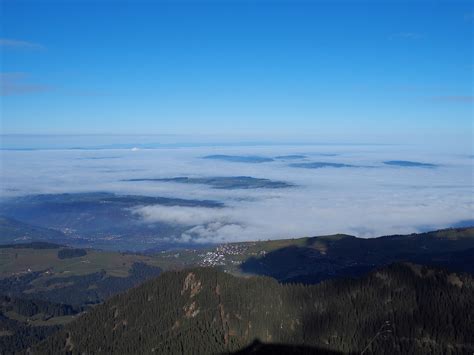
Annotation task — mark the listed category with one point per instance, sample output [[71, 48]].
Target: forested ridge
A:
[[399, 309]]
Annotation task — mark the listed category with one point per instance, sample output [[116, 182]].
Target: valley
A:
[[47, 286]]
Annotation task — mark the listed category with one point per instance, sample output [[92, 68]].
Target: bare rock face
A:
[[191, 283], [191, 310]]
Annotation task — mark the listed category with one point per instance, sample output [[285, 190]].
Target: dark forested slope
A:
[[312, 260], [413, 309]]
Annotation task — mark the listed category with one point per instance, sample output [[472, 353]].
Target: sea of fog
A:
[[352, 191]]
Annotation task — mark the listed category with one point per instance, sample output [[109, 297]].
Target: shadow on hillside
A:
[[294, 264], [257, 347], [349, 257]]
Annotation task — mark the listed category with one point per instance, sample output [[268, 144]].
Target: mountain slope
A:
[[312, 260], [203, 311]]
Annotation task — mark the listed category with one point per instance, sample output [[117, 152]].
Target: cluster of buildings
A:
[[217, 257]]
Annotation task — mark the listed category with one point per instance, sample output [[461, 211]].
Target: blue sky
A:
[[328, 70]]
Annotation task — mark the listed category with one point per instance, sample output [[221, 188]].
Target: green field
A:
[[21, 261]]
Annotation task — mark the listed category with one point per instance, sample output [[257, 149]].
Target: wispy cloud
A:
[[454, 98], [16, 84], [420, 88], [13, 43], [85, 93], [406, 35]]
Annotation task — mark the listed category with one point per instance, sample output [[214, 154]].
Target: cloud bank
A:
[[367, 197]]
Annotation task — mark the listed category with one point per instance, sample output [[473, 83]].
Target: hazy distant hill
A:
[[99, 219], [13, 231], [239, 158], [414, 309], [222, 182]]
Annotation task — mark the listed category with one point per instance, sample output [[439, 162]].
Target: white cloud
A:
[[364, 201], [180, 215], [216, 232]]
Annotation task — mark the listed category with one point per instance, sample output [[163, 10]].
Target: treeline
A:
[[71, 253], [400, 309], [30, 308], [31, 245]]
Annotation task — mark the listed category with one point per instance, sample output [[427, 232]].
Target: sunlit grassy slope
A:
[[21, 260]]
